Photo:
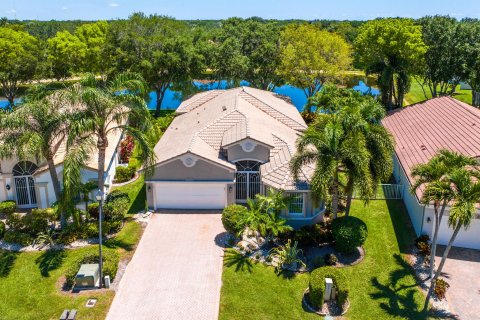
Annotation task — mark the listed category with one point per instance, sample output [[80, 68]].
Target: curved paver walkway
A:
[[176, 272]]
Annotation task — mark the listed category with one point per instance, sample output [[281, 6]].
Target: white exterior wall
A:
[[469, 238], [414, 208]]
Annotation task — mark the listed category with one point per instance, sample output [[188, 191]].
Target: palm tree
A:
[[36, 129], [275, 201], [433, 176], [466, 195], [103, 109], [334, 151]]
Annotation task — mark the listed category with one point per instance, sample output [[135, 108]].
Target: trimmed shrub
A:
[[124, 174], [349, 233], [12, 236], [423, 244], [317, 285], [110, 265], [92, 210], [8, 207], [232, 217], [2, 229], [314, 234], [117, 194], [15, 222], [440, 288]]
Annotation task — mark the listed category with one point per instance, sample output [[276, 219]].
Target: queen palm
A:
[[36, 129], [466, 194], [334, 151], [433, 176], [103, 108]]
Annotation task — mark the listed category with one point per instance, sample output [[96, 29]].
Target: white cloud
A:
[[11, 11], [113, 4], [64, 8]]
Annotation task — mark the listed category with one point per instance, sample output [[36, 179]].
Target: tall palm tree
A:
[[438, 192], [103, 108], [36, 129], [334, 151], [466, 195]]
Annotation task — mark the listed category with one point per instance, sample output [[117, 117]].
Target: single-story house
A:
[[29, 183], [226, 146], [420, 131]]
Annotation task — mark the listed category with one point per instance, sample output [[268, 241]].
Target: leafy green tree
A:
[[36, 129], [469, 52], [393, 49], [100, 112], [94, 36], [466, 194], [18, 60], [247, 50], [159, 48], [66, 54], [443, 65], [433, 176], [310, 57]]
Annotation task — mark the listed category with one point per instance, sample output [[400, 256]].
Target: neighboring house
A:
[[226, 146], [420, 131], [29, 182]]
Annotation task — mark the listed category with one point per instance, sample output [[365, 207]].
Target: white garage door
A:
[[190, 195], [469, 238]]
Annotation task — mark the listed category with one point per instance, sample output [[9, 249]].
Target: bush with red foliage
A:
[[126, 149]]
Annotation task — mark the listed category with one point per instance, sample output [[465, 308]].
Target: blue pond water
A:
[[173, 98]]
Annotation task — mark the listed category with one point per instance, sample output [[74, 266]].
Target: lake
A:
[[173, 98]]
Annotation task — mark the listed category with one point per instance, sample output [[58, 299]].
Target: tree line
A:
[[439, 52]]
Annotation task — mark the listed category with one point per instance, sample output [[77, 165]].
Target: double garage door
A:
[[190, 195]]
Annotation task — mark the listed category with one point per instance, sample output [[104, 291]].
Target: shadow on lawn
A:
[[401, 298], [401, 224], [50, 260], [138, 203], [241, 262], [7, 260]]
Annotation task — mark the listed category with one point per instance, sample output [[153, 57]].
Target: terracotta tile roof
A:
[[208, 122], [422, 129]]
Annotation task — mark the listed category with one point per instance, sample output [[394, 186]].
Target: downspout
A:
[[423, 219]]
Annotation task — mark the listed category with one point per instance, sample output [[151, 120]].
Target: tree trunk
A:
[[440, 267], [160, 91], [57, 189], [438, 221], [349, 197], [335, 196], [475, 98]]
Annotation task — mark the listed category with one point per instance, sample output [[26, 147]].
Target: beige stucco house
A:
[[225, 146], [29, 183]]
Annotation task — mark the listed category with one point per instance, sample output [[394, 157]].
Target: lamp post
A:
[[99, 197]]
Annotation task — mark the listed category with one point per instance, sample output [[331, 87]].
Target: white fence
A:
[[385, 192]]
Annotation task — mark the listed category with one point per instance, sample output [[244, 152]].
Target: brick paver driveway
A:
[[462, 272], [176, 271]]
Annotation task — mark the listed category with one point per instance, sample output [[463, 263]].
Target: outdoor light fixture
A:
[[149, 188], [428, 219], [7, 187], [99, 197]]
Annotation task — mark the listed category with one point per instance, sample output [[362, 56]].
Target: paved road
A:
[[176, 271], [462, 272]]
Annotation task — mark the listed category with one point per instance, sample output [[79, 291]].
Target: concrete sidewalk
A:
[[176, 271]]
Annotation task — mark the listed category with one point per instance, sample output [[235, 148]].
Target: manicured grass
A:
[[137, 193], [30, 282], [416, 94], [382, 286]]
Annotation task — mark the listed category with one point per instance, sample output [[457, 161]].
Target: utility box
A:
[[328, 289], [107, 282], [88, 276]]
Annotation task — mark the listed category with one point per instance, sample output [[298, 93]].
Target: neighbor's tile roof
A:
[[211, 120], [421, 130]]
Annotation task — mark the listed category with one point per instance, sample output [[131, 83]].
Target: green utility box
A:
[[88, 276]]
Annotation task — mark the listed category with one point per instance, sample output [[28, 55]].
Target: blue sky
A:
[[219, 9]]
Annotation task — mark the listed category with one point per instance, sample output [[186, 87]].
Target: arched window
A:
[[248, 165], [24, 168]]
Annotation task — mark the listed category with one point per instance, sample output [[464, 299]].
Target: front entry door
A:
[[247, 180], [25, 190]]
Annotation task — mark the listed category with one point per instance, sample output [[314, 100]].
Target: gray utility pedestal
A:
[[88, 276], [328, 289]]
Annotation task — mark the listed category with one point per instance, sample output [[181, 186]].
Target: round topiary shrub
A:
[[349, 233], [2, 229], [232, 217], [8, 207], [317, 286]]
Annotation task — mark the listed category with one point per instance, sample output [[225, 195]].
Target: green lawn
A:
[[30, 282], [416, 94], [381, 287], [136, 192]]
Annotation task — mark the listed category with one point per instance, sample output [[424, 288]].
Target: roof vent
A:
[[224, 108], [422, 147]]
